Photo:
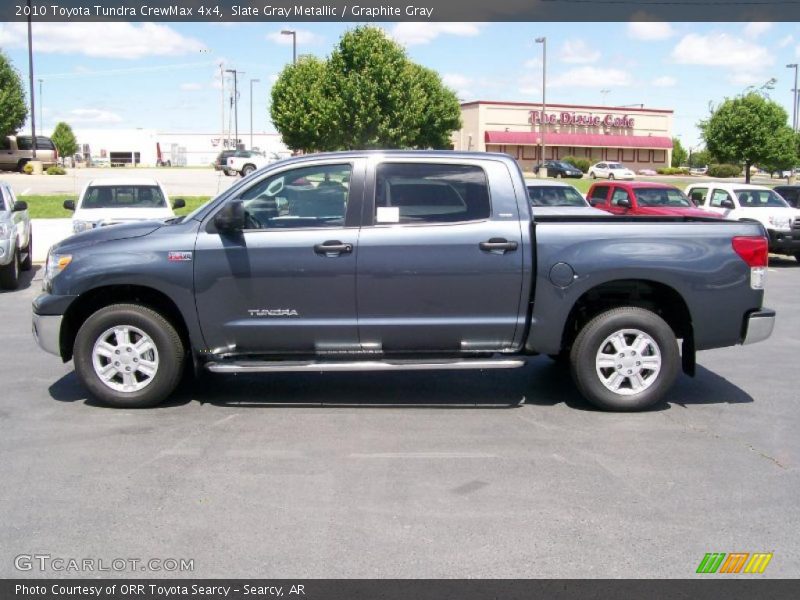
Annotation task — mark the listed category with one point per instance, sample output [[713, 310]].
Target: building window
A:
[[628, 155], [644, 156], [612, 154], [529, 152], [660, 156]]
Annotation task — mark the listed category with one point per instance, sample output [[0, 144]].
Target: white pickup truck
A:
[[745, 202], [245, 162]]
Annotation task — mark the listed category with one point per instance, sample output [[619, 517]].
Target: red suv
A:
[[642, 198]]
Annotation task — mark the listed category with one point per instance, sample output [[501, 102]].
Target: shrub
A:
[[724, 170], [579, 163], [27, 169], [672, 171], [55, 170]]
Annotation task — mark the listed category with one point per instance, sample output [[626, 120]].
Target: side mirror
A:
[[727, 203], [20, 205], [624, 203], [230, 218], [179, 203], [69, 204]]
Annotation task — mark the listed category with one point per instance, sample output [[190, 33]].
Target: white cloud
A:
[[756, 28], [412, 34], [650, 30], [101, 40], [460, 84], [664, 81], [304, 38], [533, 63], [592, 77], [577, 52], [719, 50], [786, 41], [191, 87], [93, 116], [747, 78]]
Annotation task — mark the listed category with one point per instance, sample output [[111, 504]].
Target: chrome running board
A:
[[245, 366]]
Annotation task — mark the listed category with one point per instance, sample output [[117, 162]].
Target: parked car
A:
[[559, 169], [112, 201], [744, 202], [17, 150], [790, 193], [698, 171], [549, 197], [610, 170], [643, 198], [16, 238], [221, 162], [246, 162], [647, 172], [417, 268]]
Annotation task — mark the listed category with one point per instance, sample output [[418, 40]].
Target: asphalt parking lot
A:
[[406, 475]]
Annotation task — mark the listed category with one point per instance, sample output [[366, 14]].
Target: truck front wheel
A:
[[128, 356], [625, 359]]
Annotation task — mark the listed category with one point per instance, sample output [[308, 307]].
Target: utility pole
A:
[[252, 81], [235, 105], [604, 93], [41, 106], [30, 77], [543, 42], [222, 136], [794, 104]]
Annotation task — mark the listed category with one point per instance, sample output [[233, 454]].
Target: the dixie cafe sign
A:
[[571, 118]]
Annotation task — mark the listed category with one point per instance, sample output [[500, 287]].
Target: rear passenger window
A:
[[425, 193]]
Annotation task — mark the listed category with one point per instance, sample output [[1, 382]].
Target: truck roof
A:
[[110, 181]]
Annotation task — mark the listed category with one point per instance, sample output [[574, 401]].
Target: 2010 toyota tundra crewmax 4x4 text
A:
[[398, 260]]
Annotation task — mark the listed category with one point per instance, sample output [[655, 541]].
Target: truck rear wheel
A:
[[625, 359], [128, 356]]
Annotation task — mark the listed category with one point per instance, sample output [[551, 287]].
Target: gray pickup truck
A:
[[375, 261]]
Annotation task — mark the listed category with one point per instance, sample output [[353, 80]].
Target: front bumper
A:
[[759, 326], [5, 252], [787, 242], [46, 332]]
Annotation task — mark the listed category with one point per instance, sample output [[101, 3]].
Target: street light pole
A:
[[292, 33], [30, 77], [252, 81], [41, 105], [543, 42], [794, 104]]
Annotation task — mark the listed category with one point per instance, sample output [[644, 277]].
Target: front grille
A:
[[796, 224]]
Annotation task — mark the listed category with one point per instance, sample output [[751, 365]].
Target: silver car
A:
[[555, 198], [16, 238]]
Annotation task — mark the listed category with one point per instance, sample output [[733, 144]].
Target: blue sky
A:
[[165, 76]]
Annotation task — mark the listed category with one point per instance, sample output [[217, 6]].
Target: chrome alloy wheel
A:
[[628, 362], [125, 358]]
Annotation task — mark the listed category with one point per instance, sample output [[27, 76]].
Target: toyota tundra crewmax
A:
[[403, 260]]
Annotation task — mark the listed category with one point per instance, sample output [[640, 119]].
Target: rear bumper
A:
[[784, 241], [46, 332], [759, 326]]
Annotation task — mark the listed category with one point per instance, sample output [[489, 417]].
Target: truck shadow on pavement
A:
[[783, 262], [26, 279], [540, 383]]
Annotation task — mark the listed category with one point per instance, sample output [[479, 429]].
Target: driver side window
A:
[[718, 197], [307, 197]]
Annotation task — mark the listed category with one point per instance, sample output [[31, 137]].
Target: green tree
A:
[[368, 94], [679, 154], [64, 140], [782, 152], [749, 129], [301, 107], [701, 158], [13, 109]]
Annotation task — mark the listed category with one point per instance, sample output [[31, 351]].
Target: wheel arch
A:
[[660, 298], [93, 300]]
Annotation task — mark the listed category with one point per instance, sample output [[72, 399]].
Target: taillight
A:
[[754, 251]]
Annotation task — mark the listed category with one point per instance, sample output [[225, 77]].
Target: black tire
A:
[[229, 172], [27, 263], [247, 169], [167, 342], [611, 177], [21, 166], [558, 175], [590, 342], [797, 256], [592, 175], [9, 274]]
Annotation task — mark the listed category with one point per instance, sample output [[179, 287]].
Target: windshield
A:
[[615, 166], [662, 197], [123, 196], [760, 199], [562, 164], [555, 196]]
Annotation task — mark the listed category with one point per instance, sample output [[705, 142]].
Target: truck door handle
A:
[[333, 248], [498, 246]]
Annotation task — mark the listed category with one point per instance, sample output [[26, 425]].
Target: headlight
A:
[[54, 265], [78, 226], [781, 222]]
